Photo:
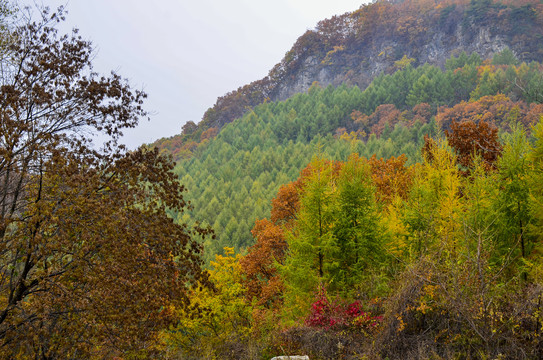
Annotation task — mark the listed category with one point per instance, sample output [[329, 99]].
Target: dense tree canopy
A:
[[253, 156], [382, 257]]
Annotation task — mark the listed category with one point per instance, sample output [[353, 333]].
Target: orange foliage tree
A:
[[391, 177], [209, 134], [469, 138], [498, 110], [261, 277], [383, 115]]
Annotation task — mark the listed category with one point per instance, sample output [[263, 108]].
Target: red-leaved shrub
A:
[[336, 314]]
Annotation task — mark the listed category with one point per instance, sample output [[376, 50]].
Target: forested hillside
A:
[[393, 214], [232, 175], [378, 196], [413, 232], [375, 259]]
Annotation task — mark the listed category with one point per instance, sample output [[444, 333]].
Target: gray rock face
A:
[[296, 357], [440, 47], [309, 73]]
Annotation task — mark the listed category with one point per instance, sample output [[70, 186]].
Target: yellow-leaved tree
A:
[[218, 322]]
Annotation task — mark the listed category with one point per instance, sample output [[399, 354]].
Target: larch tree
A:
[[222, 313], [356, 227], [536, 198], [514, 221], [90, 264], [336, 239], [311, 242]]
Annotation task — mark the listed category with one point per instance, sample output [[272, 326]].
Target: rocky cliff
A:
[[368, 64]]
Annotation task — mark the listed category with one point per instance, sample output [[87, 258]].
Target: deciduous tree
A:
[[90, 265], [391, 177], [470, 139], [259, 265]]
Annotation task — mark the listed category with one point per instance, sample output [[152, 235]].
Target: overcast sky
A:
[[186, 53]]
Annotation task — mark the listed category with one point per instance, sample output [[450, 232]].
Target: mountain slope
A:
[[232, 177], [356, 47], [234, 168], [371, 258]]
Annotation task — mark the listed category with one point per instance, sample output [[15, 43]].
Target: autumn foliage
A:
[[470, 139], [342, 45], [497, 110], [372, 253], [259, 265], [91, 266], [333, 314], [391, 177], [262, 280], [367, 249]]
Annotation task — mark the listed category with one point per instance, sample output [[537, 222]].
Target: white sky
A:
[[186, 53]]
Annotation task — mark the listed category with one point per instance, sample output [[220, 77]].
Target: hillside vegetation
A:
[[375, 259], [233, 175], [378, 195]]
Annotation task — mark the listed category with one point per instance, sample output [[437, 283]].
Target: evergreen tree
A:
[[356, 227]]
